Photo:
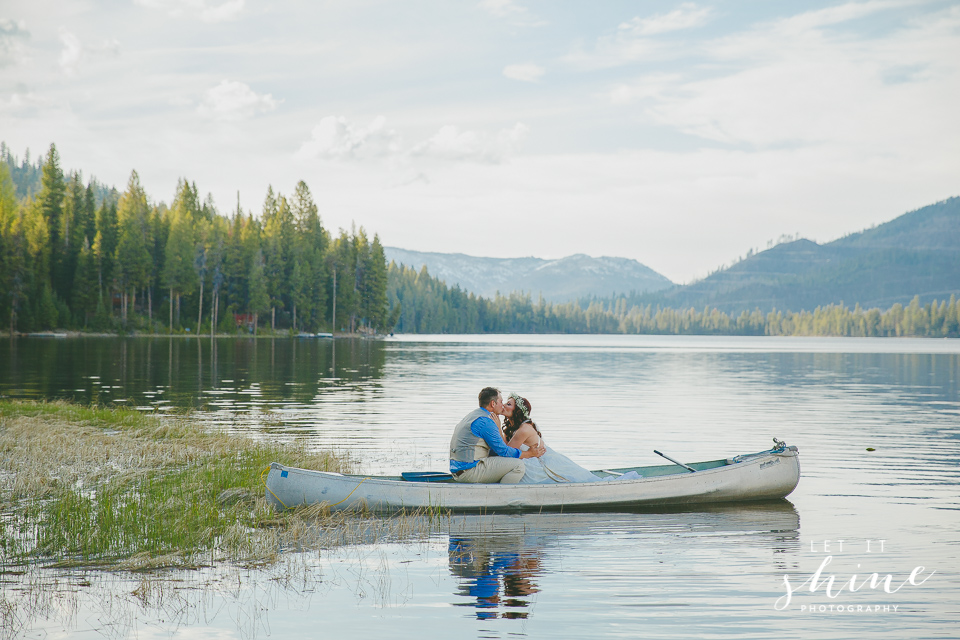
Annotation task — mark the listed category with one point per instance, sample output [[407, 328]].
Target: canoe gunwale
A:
[[736, 481]]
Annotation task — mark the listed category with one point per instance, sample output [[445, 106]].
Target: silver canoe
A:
[[766, 475]]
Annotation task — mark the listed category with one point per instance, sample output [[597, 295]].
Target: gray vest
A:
[[464, 446]]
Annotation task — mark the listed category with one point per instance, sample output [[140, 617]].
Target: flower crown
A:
[[520, 406]]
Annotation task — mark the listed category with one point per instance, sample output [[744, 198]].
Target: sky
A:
[[680, 134]]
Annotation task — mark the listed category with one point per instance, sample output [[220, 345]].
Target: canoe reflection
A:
[[500, 561]]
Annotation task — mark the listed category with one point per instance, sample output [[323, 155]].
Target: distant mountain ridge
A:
[[916, 254], [563, 280]]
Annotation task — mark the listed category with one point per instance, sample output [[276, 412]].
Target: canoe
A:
[[766, 475]]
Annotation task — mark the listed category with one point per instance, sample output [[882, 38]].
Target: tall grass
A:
[[87, 486]]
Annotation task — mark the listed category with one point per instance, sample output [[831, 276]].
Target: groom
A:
[[476, 436]]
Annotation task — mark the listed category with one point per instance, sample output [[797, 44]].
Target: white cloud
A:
[[687, 16], [502, 8], [75, 52], [12, 35], [651, 86], [452, 143], [22, 103], [511, 12], [791, 82], [635, 40], [199, 9], [71, 53], [336, 138], [528, 72], [230, 10], [231, 101]]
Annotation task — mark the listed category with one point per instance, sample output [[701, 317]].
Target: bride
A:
[[520, 432]]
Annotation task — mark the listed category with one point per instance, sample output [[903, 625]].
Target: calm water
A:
[[603, 400]]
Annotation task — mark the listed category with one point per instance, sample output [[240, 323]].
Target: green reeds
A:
[[117, 488]]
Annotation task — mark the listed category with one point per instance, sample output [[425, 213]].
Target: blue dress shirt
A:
[[484, 427]]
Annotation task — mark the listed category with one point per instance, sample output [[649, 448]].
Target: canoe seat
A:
[[426, 476]]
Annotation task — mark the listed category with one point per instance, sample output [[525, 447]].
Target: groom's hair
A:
[[487, 395]]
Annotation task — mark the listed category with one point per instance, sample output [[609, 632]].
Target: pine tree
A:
[[374, 290], [179, 274], [51, 202], [132, 255], [299, 292], [13, 255], [84, 300], [312, 241], [104, 250], [259, 296]]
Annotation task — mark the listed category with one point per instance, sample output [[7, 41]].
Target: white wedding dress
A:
[[554, 467]]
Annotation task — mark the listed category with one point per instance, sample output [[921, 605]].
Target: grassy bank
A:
[[114, 488]]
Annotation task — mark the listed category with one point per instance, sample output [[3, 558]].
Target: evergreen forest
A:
[[82, 256], [87, 257], [430, 306]]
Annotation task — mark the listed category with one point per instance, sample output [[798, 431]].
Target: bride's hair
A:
[[521, 415]]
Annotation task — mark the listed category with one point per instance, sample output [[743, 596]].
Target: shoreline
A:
[[70, 334], [64, 334]]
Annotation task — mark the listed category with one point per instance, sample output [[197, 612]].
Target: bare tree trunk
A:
[[200, 314], [133, 300], [256, 323], [294, 317], [213, 312], [150, 306], [273, 318], [171, 309]]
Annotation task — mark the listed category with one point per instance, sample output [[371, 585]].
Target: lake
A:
[[606, 401]]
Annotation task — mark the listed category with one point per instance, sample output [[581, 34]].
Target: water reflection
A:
[[164, 373], [501, 562]]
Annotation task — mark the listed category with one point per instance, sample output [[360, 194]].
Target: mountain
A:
[[916, 254], [562, 280]]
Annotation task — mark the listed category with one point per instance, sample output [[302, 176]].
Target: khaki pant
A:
[[494, 469]]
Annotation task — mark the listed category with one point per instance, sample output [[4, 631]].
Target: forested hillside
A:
[[915, 254], [75, 255], [429, 306]]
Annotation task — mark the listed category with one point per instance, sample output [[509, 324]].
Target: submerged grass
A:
[[115, 488]]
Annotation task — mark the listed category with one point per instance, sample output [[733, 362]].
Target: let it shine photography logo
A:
[[852, 585]]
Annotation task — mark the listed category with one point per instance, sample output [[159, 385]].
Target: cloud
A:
[[452, 143], [635, 40], [24, 103], [502, 8], [230, 10], [336, 138], [12, 35], [197, 9], [528, 72], [797, 82], [687, 16], [74, 52], [511, 12], [232, 101], [653, 86]]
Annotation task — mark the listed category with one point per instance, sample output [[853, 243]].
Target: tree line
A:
[[82, 256], [428, 305]]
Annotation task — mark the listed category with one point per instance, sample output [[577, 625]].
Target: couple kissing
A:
[[481, 453]]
